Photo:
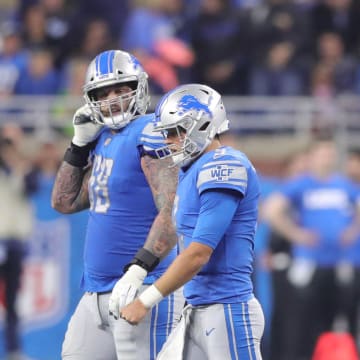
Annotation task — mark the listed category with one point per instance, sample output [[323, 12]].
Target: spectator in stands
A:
[[277, 76], [58, 17], [151, 34], [322, 82], [279, 21], [218, 36], [333, 73], [14, 206], [34, 28], [40, 77], [57, 20], [13, 58], [20, 7], [46, 163], [337, 16], [322, 200], [96, 38], [113, 13], [279, 28], [322, 90], [46, 23], [331, 54]]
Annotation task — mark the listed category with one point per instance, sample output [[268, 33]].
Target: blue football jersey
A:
[[226, 278], [122, 208], [325, 207]]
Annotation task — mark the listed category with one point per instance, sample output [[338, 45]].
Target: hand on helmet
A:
[[86, 129], [126, 289]]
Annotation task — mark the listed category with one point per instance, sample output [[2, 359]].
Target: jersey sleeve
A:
[[225, 173], [217, 209], [149, 140]]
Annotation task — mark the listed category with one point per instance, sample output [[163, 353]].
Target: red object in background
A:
[[161, 72], [174, 51], [335, 346], [162, 66]]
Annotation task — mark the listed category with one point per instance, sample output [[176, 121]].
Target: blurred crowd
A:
[[27, 174], [243, 47]]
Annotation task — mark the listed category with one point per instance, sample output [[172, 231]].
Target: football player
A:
[[111, 168], [215, 212]]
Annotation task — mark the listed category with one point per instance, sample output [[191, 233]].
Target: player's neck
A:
[[215, 144]]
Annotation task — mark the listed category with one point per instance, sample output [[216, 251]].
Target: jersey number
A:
[[98, 184]]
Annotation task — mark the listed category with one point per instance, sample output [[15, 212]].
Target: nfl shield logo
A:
[[44, 294]]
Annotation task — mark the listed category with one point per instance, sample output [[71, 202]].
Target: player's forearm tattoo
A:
[[163, 182], [70, 192]]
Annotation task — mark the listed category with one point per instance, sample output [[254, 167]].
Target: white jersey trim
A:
[[222, 173]]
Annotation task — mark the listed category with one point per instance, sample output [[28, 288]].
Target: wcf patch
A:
[[221, 172]]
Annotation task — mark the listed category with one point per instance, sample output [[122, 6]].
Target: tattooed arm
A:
[[70, 193], [161, 238], [162, 180]]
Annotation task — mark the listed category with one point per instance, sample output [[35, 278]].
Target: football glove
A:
[[126, 289], [86, 129]]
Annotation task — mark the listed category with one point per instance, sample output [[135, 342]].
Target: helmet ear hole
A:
[[204, 126], [132, 84], [92, 95], [181, 129]]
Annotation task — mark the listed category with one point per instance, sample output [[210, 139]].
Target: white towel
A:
[[174, 346]]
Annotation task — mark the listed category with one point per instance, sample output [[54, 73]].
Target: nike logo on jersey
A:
[[208, 332]]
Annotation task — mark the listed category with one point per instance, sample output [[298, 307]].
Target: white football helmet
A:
[[111, 68], [196, 110]]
